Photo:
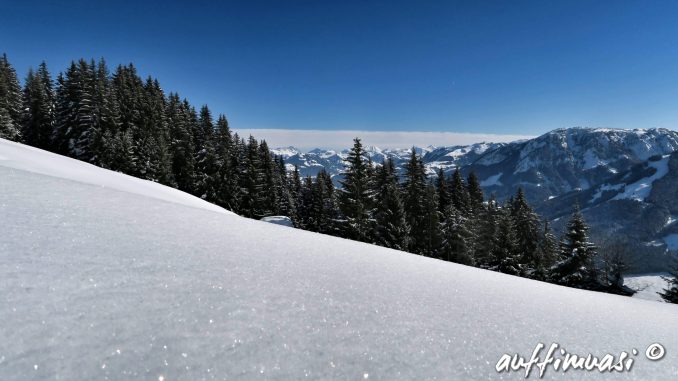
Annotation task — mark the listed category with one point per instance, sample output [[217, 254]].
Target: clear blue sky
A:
[[520, 67]]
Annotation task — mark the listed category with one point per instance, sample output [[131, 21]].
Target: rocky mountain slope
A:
[[638, 206]]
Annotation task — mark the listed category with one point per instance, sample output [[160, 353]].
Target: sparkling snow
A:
[[109, 282]]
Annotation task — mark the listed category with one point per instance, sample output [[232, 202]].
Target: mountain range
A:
[[625, 181]]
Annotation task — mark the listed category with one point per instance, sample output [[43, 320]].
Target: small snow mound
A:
[[279, 220]]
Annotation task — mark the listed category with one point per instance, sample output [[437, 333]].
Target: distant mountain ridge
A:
[[448, 158], [626, 181]]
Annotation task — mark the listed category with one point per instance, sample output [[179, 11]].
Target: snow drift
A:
[[103, 276]]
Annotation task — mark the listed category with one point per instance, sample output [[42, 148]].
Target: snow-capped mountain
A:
[[547, 166], [434, 158], [639, 205], [103, 279], [567, 159]]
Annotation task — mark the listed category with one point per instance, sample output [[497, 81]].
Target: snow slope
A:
[[110, 282], [25, 158]]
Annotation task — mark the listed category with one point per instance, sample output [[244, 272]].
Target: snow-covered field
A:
[[101, 280]]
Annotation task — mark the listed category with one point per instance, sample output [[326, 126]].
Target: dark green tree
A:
[[576, 267], [355, 196], [391, 229], [38, 109], [456, 237], [10, 101], [414, 193]]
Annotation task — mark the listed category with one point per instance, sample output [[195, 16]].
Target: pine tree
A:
[[391, 228], [575, 267], [10, 102], [355, 198]]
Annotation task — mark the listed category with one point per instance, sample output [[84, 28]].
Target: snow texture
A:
[[113, 282]]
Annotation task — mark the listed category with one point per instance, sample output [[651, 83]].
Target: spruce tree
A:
[[431, 239], [456, 237], [180, 147], [10, 102], [38, 109], [506, 257], [548, 248], [475, 192], [443, 192], [414, 190], [528, 235], [322, 214], [355, 196], [487, 234], [206, 161], [269, 168], [458, 193], [391, 228], [253, 181], [575, 267]]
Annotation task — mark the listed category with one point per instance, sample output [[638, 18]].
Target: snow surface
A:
[[20, 157], [647, 285], [99, 282]]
